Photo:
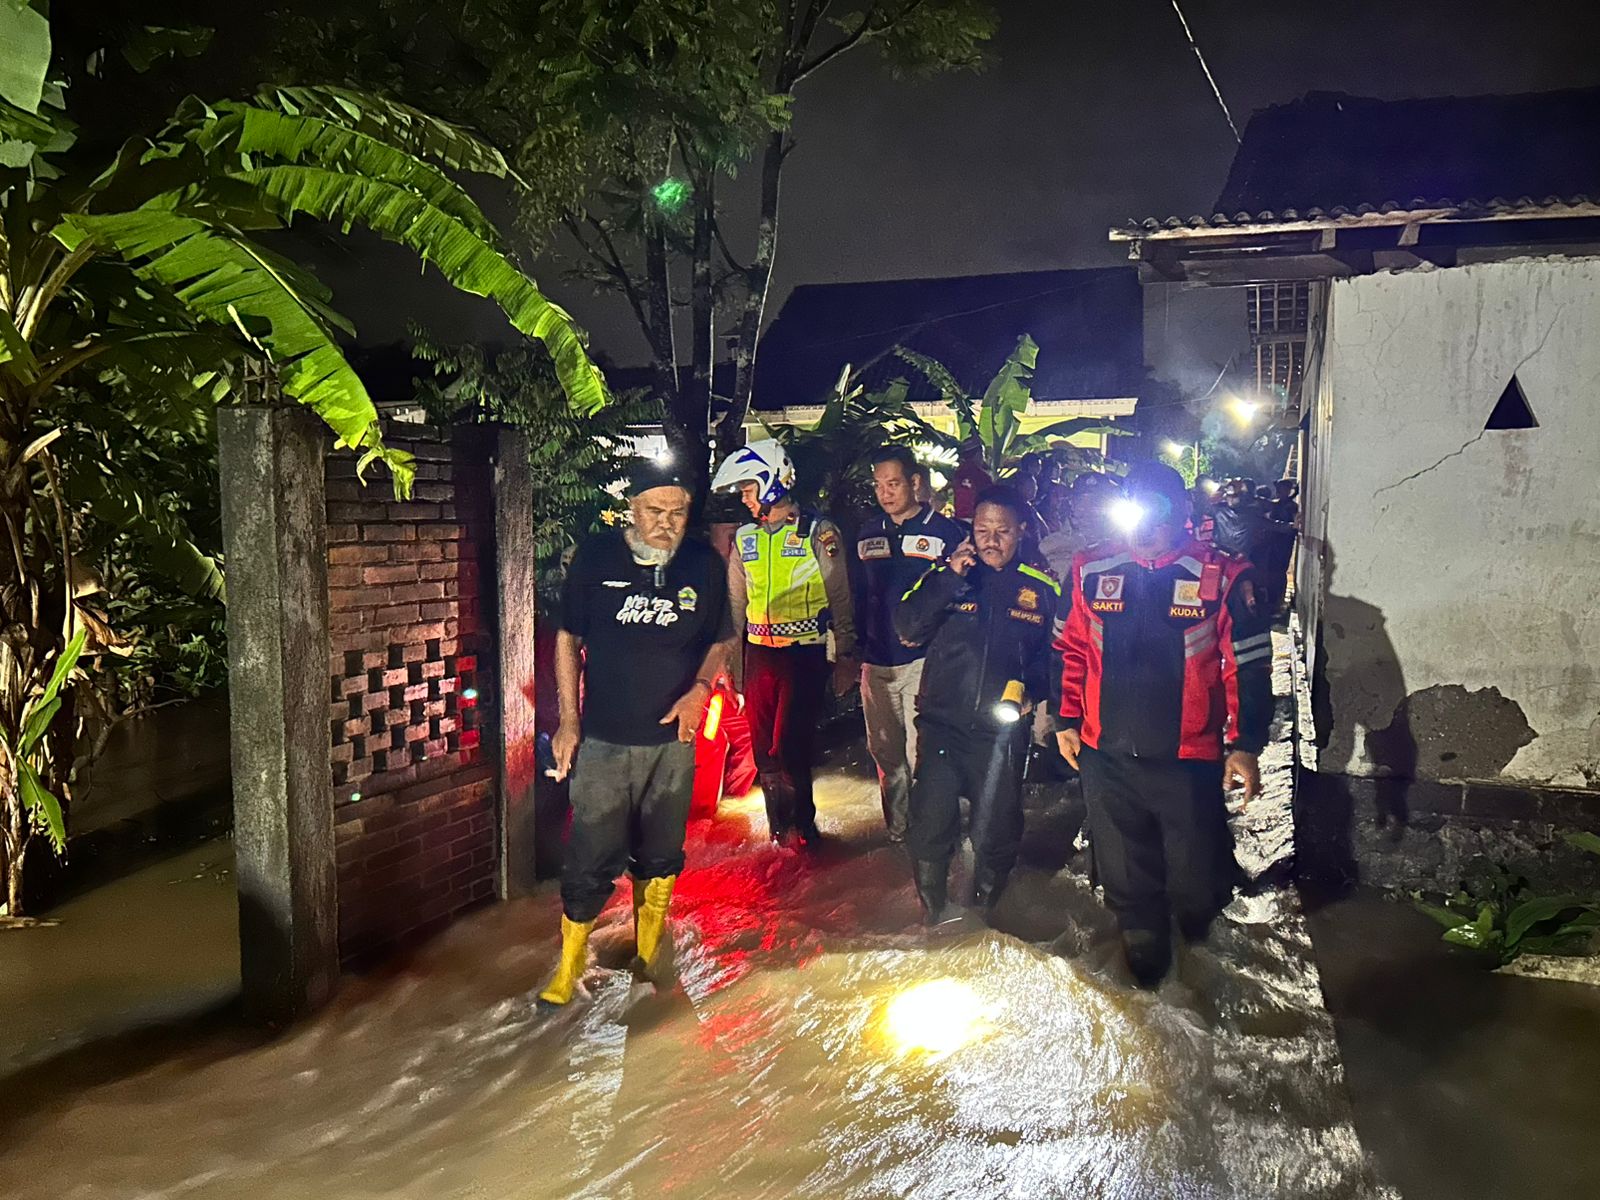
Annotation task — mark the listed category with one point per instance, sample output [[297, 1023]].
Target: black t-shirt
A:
[[645, 631]]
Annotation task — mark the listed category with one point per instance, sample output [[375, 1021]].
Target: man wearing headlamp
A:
[[1166, 698]]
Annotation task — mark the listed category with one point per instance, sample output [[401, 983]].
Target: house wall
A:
[[1460, 597]]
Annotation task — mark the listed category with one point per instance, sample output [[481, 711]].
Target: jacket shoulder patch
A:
[[869, 548]]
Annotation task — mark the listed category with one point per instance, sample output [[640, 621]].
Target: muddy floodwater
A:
[[820, 1044]]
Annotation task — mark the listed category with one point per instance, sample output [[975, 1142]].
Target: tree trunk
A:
[[702, 338], [755, 302], [15, 847]]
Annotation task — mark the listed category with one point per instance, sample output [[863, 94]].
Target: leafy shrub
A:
[[1496, 913]]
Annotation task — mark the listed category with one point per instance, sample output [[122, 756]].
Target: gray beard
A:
[[644, 553]]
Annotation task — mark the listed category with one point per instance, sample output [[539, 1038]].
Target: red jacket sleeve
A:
[[1073, 644], [1245, 643]]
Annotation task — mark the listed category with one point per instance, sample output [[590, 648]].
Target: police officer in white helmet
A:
[[788, 582]]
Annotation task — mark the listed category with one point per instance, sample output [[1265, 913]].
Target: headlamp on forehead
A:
[[1127, 515]]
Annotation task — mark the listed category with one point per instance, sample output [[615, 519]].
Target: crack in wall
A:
[[1468, 444], [1456, 453]]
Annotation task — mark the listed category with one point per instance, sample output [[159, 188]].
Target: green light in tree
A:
[[671, 194]]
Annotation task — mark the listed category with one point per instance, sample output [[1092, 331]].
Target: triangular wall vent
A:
[[1511, 411]]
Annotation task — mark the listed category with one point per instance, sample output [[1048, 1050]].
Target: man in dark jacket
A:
[[1239, 526], [987, 619], [892, 551], [1166, 698]]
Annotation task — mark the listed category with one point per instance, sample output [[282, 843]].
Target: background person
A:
[[893, 550], [644, 631], [1284, 512], [1083, 520], [986, 619], [1166, 697], [1238, 525], [788, 586]]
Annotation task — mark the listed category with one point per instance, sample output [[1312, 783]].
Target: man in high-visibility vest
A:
[[788, 581]]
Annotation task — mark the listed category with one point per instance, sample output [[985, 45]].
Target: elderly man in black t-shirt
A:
[[644, 631]]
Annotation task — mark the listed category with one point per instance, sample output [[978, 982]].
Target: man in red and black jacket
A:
[[1166, 698]]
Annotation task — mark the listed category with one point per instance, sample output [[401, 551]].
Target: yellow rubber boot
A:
[[574, 957], [651, 897]]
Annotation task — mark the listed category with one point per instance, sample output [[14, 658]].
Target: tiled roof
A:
[[1329, 157]]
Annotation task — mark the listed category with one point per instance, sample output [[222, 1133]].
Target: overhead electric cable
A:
[[1211, 79]]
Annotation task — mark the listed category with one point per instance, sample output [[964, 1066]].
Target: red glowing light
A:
[[713, 718]]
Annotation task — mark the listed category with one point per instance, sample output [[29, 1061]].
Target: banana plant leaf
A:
[[469, 262], [1077, 425], [1005, 400], [154, 43], [167, 545], [67, 659], [399, 125], [24, 54], [950, 389], [229, 281], [38, 799], [247, 130]]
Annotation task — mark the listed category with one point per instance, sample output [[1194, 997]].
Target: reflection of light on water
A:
[[937, 1017]]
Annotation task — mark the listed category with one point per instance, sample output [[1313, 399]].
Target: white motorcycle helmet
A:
[[764, 463]]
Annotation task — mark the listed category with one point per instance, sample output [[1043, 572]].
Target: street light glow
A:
[[1173, 448], [1244, 410]]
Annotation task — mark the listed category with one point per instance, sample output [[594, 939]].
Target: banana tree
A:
[[138, 292], [994, 420], [26, 766], [831, 458]]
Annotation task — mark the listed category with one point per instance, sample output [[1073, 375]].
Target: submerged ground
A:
[[820, 1044]]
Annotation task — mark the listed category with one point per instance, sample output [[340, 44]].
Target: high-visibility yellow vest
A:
[[786, 604]]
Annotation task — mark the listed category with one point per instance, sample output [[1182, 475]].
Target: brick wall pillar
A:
[[369, 685], [516, 576], [272, 523]]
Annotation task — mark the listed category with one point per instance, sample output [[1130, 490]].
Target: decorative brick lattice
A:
[[410, 624], [402, 710]]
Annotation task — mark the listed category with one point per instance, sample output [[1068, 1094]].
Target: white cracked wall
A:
[[1458, 555]]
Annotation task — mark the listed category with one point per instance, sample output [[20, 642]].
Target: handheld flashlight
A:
[[713, 717], [1127, 515], [1009, 710]]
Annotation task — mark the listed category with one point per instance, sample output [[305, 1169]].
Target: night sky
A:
[[1091, 113]]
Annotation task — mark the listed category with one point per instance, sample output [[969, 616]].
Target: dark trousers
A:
[[630, 805], [783, 694], [1161, 842], [986, 767]]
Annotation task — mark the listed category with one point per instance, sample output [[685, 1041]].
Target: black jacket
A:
[[1240, 531], [981, 630], [888, 561]]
